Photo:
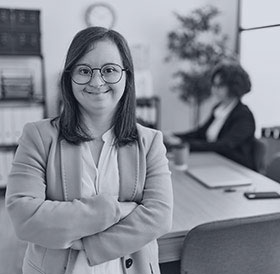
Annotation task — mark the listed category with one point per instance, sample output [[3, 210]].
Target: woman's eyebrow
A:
[[83, 64]]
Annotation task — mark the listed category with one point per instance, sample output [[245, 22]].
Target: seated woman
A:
[[230, 128]]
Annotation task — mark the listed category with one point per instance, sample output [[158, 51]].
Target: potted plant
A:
[[198, 42]]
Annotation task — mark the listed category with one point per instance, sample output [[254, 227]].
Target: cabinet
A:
[[148, 111], [22, 84]]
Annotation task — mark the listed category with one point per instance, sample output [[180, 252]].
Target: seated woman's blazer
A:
[[235, 139]]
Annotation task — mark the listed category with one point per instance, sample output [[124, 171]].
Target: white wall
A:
[[139, 21], [260, 57]]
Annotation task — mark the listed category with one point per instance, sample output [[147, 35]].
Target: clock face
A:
[[100, 14]]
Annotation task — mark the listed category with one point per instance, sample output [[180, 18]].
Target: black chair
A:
[[273, 168], [237, 246], [259, 155]]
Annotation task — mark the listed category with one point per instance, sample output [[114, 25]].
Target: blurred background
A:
[[169, 40], [145, 25]]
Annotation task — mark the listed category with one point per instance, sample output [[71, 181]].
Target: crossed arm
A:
[[108, 228]]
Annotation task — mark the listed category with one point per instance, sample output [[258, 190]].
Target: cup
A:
[[181, 154]]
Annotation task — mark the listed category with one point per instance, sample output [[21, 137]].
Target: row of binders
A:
[[13, 119], [16, 83]]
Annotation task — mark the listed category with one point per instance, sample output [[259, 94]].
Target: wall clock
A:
[[100, 14]]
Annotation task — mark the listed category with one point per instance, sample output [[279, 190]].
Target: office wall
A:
[[144, 21]]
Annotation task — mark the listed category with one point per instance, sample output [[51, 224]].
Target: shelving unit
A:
[[148, 111], [22, 80]]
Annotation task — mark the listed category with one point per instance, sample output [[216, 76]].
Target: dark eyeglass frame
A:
[[219, 85], [100, 69]]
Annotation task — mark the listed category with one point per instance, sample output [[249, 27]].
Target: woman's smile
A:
[[95, 92]]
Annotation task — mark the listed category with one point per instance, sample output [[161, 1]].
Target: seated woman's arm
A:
[[198, 134], [242, 128]]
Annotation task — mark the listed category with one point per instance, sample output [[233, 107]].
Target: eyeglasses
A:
[[218, 85], [110, 73]]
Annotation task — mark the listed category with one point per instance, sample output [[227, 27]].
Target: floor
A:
[[11, 249]]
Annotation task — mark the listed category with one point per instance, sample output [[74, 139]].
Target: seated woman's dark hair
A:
[[234, 77]]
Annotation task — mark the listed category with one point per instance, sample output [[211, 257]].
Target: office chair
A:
[[273, 168], [259, 153], [238, 246]]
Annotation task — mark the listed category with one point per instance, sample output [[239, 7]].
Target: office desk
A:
[[195, 204]]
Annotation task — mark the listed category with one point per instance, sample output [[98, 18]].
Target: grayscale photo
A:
[[139, 137]]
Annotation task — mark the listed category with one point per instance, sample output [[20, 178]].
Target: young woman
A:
[[90, 191]]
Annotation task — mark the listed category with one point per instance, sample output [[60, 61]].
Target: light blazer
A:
[[43, 201]]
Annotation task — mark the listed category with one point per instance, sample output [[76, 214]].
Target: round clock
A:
[[100, 14]]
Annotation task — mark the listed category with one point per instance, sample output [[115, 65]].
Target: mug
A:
[[181, 154]]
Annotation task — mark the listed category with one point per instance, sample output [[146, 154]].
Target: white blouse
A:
[[220, 115], [104, 179]]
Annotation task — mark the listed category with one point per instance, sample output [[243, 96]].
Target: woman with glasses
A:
[[90, 191], [230, 128]]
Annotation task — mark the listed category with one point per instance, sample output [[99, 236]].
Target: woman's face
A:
[[97, 96], [219, 90]]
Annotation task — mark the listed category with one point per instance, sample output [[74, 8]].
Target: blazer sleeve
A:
[[149, 220], [239, 127], [198, 134], [51, 224]]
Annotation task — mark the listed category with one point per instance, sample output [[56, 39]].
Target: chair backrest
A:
[[259, 153], [273, 168], [238, 246]]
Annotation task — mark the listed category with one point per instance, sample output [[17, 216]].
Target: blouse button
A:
[[128, 263]]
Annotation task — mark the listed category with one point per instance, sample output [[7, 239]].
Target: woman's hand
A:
[[170, 139], [77, 245], [127, 208]]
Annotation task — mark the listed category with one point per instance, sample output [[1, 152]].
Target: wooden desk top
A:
[[195, 204]]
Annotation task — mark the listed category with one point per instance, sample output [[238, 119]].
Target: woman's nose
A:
[[96, 79]]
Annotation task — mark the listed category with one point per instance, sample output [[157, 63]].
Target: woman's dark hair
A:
[[234, 77], [72, 127]]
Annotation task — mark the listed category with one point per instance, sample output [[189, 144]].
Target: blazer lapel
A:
[[128, 161], [228, 120], [71, 170]]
